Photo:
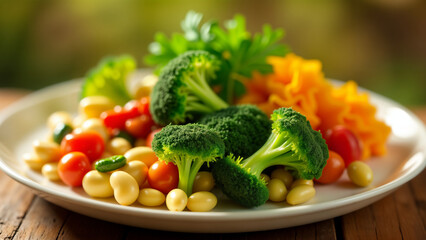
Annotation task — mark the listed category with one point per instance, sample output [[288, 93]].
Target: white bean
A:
[[47, 151], [277, 190], [137, 170], [301, 181], [176, 200], [151, 197], [118, 146], [360, 173], [201, 201], [97, 184], [58, 117], [144, 154], [300, 194], [50, 171], [95, 124], [283, 175], [126, 189], [203, 182]]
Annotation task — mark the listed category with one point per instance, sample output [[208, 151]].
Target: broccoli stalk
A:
[[188, 147], [183, 91], [188, 169], [199, 90], [293, 143]]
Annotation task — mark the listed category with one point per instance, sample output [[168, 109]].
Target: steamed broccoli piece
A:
[[293, 143], [243, 128], [183, 90], [188, 147]]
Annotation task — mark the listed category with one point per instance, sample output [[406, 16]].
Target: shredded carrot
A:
[[300, 84]]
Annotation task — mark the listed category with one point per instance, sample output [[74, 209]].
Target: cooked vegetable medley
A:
[[224, 110]]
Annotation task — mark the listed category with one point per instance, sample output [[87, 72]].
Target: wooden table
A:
[[23, 215]]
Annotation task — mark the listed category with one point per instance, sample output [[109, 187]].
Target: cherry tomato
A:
[[151, 137], [344, 142], [333, 170], [140, 126], [163, 176], [144, 106], [89, 143], [117, 117], [72, 167]]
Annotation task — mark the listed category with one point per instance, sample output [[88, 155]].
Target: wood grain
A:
[[15, 201], [43, 219]]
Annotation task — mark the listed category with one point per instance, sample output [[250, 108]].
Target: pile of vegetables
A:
[[223, 109]]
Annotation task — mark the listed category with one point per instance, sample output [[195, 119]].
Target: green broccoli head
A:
[[183, 90], [238, 183], [188, 147], [292, 143], [243, 128]]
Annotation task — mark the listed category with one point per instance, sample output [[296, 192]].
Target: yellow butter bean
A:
[[151, 197], [300, 181], [145, 86], [138, 170], [78, 121], [118, 146], [33, 161], [95, 124], [300, 194], [360, 173], [203, 182], [126, 189], [50, 171], [201, 201], [58, 117], [97, 184], [47, 151], [93, 106], [283, 175], [144, 154], [176, 200], [277, 190]]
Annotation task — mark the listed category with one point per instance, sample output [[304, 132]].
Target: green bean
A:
[[111, 163]]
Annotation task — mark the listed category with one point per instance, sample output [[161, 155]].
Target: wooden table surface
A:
[[23, 215]]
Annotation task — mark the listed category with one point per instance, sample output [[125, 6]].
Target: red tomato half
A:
[[151, 137], [140, 126], [72, 167], [144, 106], [344, 142], [89, 143], [117, 117], [333, 170], [163, 176]]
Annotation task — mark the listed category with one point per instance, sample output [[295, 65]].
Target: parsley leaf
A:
[[108, 79], [240, 52]]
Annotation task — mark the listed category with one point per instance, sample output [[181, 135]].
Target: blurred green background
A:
[[380, 44]]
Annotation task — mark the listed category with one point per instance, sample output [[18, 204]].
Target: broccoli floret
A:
[[243, 128], [293, 143], [188, 147], [183, 90]]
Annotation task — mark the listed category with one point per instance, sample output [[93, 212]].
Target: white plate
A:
[[25, 121]]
